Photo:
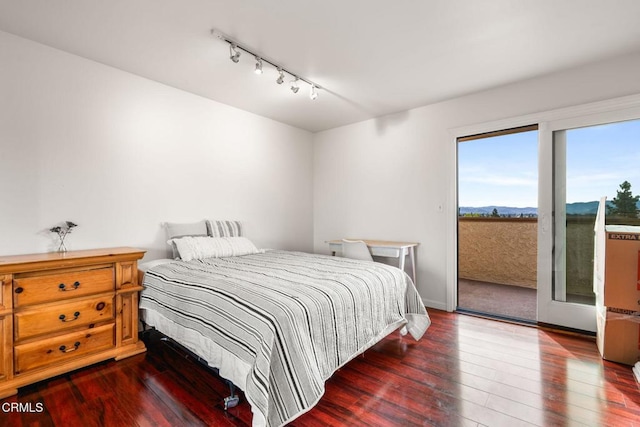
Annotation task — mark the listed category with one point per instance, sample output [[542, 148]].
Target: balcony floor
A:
[[499, 300], [509, 301]]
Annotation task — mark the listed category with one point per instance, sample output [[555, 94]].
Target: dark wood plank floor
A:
[[467, 371]]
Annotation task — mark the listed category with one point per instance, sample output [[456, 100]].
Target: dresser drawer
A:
[[50, 351], [34, 289], [59, 317]]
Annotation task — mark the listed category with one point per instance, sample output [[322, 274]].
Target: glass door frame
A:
[[550, 310], [551, 307]]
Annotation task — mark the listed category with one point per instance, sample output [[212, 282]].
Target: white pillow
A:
[[181, 229], [201, 247]]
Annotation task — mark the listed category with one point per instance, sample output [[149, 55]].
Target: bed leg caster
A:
[[231, 402]]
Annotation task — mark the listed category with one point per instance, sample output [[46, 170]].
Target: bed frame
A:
[[230, 401]]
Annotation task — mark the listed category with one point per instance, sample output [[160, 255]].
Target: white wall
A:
[[119, 155], [387, 178]]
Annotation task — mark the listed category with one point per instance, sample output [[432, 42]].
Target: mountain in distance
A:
[[584, 208], [502, 210], [577, 208]]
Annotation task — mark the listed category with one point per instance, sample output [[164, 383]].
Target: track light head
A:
[[234, 53], [313, 94], [280, 77], [294, 86], [258, 69]]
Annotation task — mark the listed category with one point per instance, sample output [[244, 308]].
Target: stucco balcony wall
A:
[[498, 250]]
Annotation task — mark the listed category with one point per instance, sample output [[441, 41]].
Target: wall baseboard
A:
[[438, 305]]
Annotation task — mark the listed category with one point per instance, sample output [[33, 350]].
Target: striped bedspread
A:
[[294, 317]]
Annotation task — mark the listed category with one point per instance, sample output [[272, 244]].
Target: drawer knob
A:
[[19, 290], [63, 318], [64, 348], [63, 287]]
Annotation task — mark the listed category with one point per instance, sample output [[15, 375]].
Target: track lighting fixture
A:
[[294, 85], [258, 69], [234, 54]]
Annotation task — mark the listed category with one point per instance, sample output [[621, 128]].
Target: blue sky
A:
[[503, 170]]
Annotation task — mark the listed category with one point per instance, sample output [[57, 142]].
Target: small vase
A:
[[62, 248]]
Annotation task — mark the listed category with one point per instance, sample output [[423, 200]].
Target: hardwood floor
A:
[[466, 371]]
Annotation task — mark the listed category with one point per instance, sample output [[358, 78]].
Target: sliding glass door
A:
[[581, 160]]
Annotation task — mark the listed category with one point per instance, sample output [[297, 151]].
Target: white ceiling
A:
[[372, 57]]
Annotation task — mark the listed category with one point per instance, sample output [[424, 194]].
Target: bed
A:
[[277, 323]]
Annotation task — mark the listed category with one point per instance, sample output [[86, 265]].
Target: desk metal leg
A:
[[412, 256]]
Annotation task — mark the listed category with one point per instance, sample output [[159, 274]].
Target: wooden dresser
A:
[[64, 311]]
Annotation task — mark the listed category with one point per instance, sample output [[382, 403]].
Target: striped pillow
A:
[[224, 228]]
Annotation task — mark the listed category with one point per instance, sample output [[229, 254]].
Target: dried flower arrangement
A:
[[62, 232]]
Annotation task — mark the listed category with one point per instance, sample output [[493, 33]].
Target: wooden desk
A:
[[386, 249]]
